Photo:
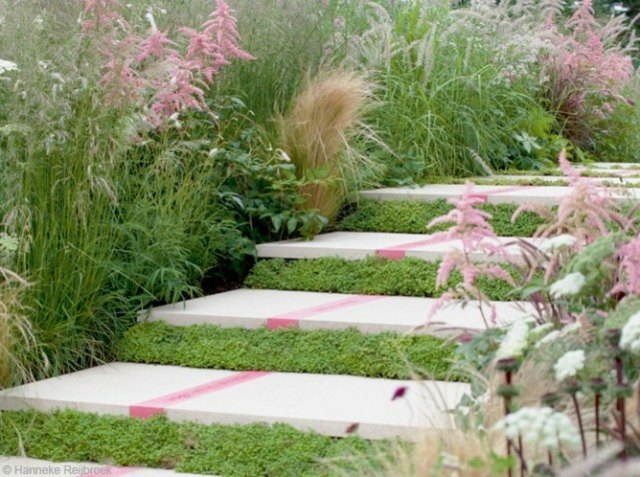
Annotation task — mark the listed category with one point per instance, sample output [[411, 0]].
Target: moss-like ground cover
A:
[[371, 276], [413, 217], [232, 451], [383, 355]]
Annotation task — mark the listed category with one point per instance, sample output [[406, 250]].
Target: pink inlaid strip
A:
[[158, 405], [111, 471], [624, 173], [275, 323], [292, 319], [501, 190], [397, 252]]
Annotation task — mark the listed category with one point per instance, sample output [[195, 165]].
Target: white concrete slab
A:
[[608, 181], [548, 195], [313, 311], [359, 245], [631, 172], [18, 466], [614, 165], [326, 404]]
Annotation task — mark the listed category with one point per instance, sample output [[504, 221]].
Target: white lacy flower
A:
[[569, 364], [7, 66], [540, 426], [567, 286], [514, 341], [558, 243], [630, 336]]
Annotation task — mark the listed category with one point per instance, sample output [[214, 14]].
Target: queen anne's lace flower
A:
[[569, 364], [7, 66], [559, 242], [515, 341], [570, 285], [630, 337], [540, 426]]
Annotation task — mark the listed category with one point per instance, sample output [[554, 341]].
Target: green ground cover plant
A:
[[411, 217], [278, 450], [372, 276], [383, 355]]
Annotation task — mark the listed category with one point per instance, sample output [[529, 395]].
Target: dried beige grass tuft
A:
[[317, 133]]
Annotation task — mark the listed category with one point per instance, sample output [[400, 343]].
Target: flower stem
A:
[[620, 409], [576, 406], [597, 410]]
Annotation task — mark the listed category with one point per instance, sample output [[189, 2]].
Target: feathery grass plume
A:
[[318, 132], [16, 337]]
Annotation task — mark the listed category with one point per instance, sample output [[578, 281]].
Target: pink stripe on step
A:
[[110, 470], [158, 405], [629, 172], [500, 190], [397, 252], [292, 319]]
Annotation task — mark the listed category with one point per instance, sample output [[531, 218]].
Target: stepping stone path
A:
[[322, 403], [327, 404], [613, 180], [17, 466], [359, 245], [314, 311], [516, 194]]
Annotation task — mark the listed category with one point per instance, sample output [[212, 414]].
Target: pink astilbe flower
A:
[[100, 14], [178, 91], [583, 72], [139, 69], [587, 212], [628, 280], [122, 81], [210, 48], [475, 233], [155, 46]]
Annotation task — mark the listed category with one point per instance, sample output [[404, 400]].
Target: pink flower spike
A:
[[153, 46]]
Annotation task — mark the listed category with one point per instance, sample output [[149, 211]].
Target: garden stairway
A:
[[334, 405]]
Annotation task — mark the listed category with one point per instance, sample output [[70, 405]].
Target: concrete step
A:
[[316, 311], [327, 404], [548, 195], [359, 245], [613, 165], [18, 466], [611, 181]]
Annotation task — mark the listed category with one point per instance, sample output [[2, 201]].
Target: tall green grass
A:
[[447, 107], [110, 218]]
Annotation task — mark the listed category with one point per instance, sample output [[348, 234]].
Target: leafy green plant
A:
[[259, 186]]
